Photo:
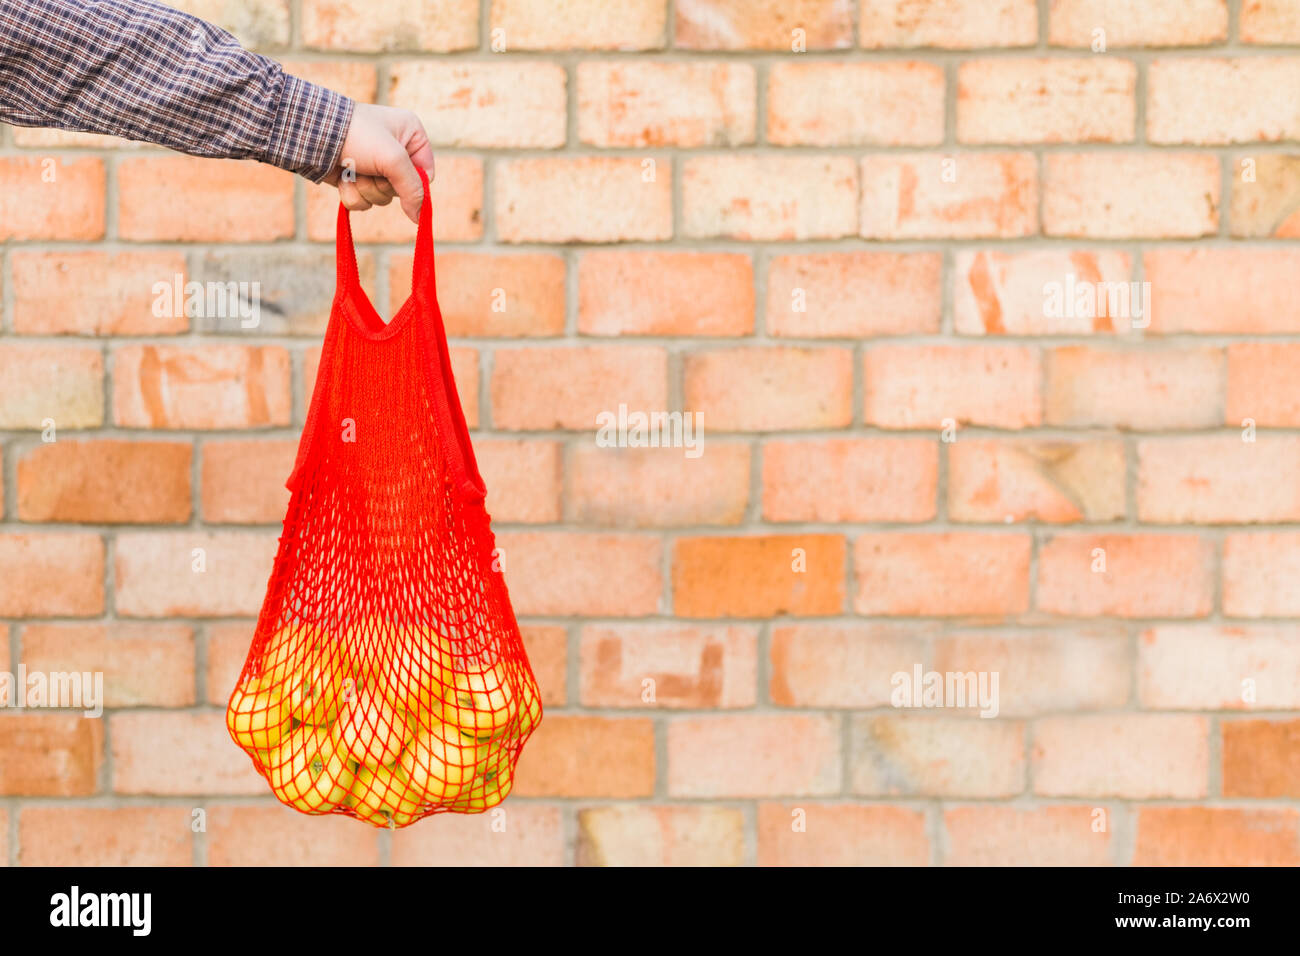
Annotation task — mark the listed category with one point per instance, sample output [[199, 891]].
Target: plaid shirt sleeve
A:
[[143, 71]]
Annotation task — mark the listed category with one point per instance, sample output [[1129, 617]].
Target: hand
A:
[[382, 149]]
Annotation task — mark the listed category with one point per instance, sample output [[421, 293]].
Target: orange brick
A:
[[1201, 667], [143, 665], [579, 24], [1046, 100], [665, 293], [1218, 480], [657, 487], [921, 755], [1043, 672], [1238, 291], [1262, 385], [931, 386], [438, 26], [600, 575], [770, 388], [533, 836], [104, 836], [821, 294], [800, 574], [763, 24], [1134, 756], [457, 209], [156, 576], [850, 479], [1131, 195], [837, 665], [277, 836], [43, 383], [651, 666], [936, 196], [769, 197], [494, 105], [573, 756], [660, 836], [50, 755], [1265, 204], [755, 755], [353, 78], [51, 575], [855, 104], [105, 481], [948, 24], [1126, 575], [1217, 836], [39, 138], [820, 834], [1261, 758], [1138, 23], [570, 387], [256, 24], [1259, 571], [508, 296], [625, 103], [210, 386], [1044, 292], [940, 574], [548, 653], [1058, 482], [43, 197], [1015, 836], [178, 752], [227, 647], [523, 479], [584, 199], [1269, 22], [1145, 390], [95, 293], [1214, 101], [191, 199], [243, 481]]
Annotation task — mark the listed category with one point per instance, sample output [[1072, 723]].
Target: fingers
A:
[[351, 196], [364, 192], [398, 169]]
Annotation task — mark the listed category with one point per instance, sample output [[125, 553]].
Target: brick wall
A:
[[842, 258]]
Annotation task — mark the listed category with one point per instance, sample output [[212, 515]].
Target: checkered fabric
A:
[[144, 71]]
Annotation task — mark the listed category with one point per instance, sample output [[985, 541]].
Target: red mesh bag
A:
[[386, 679]]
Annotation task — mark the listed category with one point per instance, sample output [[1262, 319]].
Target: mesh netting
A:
[[386, 679]]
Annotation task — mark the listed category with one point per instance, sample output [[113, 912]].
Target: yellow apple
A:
[[488, 789], [284, 654], [413, 674], [437, 765], [480, 705], [530, 710], [256, 719], [317, 690], [370, 730], [381, 798], [307, 773]]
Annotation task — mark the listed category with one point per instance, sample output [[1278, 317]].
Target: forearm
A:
[[142, 71]]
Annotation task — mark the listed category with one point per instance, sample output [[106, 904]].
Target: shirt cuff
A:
[[310, 126]]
